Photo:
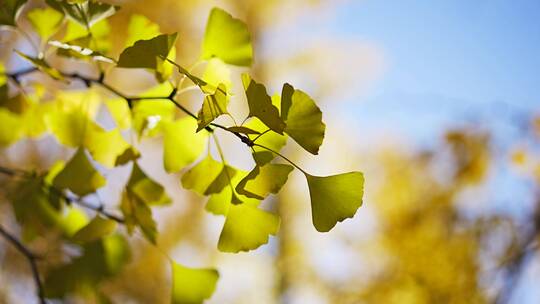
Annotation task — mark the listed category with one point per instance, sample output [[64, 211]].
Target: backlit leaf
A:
[[181, 145], [145, 188], [100, 260], [147, 53], [264, 180], [227, 38], [201, 176], [140, 27], [45, 21], [98, 228], [192, 285], [224, 179], [217, 73], [120, 112], [86, 13], [271, 140], [213, 106], [334, 198], [10, 128], [260, 105], [303, 119], [246, 228], [105, 146], [79, 176], [137, 213]]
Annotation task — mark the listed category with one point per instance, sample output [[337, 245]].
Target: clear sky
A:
[[446, 60]]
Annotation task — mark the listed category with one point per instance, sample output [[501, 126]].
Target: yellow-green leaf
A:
[[303, 119], [334, 198], [79, 175], [181, 145], [105, 146], [137, 213], [45, 21], [140, 27], [192, 285], [264, 180], [120, 112], [95, 230], [145, 188], [85, 13], [200, 177], [217, 73], [246, 228], [260, 105], [270, 139], [10, 127], [227, 38], [147, 54], [224, 179], [213, 106]]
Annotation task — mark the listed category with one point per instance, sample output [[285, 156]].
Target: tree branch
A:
[[31, 260]]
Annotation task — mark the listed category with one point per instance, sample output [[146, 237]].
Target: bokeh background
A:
[[436, 102]]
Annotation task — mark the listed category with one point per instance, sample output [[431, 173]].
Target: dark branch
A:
[[31, 260]]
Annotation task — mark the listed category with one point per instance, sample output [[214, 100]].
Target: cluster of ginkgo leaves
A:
[[79, 30]]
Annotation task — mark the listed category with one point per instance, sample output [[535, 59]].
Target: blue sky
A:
[[447, 60]]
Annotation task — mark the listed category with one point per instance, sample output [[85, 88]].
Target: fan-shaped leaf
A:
[[202, 175], [145, 188], [137, 213], [45, 21], [79, 175], [264, 180], [334, 198], [192, 285], [246, 228], [260, 105], [147, 53], [213, 106], [86, 13], [181, 145], [303, 119], [140, 27], [95, 230], [227, 38]]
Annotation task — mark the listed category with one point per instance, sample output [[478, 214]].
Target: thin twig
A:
[[31, 260]]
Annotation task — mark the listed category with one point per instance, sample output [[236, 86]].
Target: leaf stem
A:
[[282, 156], [31, 260]]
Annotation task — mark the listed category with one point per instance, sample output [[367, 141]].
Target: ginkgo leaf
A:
[[303, 119], [219, 203], [145, 188], [105, 146], [86, 13], [120, 112], [227, 38], [96, 37], [95, 230], [130, 154], [202, 175], [216, 73], [246, 228], [79, 176], [181, 145], [147, 53], [45, 21], [271, 140], [213, 106], [192, 285], [223, 180], [140, 27], [10, 10], [334, 198], [42, 65], [70, 128], [264, 180], [100, 259], [10, 128], [243, 130], [137, 213], [74, 220], [260, 105]]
